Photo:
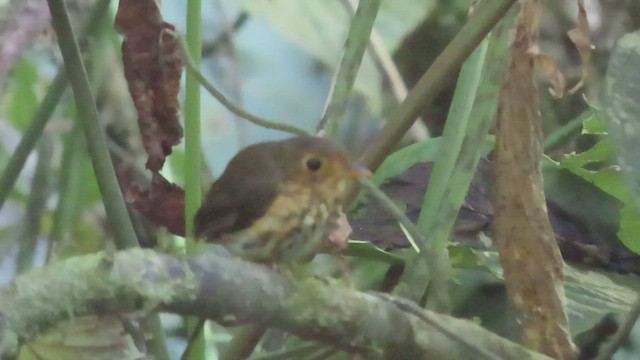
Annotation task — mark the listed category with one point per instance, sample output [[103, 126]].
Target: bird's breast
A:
[[293, 228]]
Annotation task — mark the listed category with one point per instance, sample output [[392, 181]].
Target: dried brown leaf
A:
[[162, 204], [581, 38], [523, 235], [153, 67]]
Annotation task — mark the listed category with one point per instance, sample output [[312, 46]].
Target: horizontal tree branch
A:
[[216, 286]]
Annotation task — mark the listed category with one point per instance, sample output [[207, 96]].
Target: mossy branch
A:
[[216, 286]]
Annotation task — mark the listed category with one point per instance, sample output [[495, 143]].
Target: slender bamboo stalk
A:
[[43, 114], [116, 210], [193, 162]]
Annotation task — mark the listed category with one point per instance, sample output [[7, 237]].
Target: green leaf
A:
[[630, 227], [591, 294], [22, 99], [401, 160], [425, 151], [367, 274], [465, 257], [610, 179], [594, 125], [622, 91], [366, 250], [621, 106]]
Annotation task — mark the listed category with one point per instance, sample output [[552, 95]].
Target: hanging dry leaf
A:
[[153, 67], [533, 267], [581, 38], [162, 204], [548, 64]]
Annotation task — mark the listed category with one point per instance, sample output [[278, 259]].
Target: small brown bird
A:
[[277, 201]]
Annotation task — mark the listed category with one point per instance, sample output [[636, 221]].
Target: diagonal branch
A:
[[216, 287]]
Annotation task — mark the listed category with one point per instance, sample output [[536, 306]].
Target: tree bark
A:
[[216, 286]]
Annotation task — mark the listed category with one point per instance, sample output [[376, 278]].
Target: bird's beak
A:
[[358, 171]]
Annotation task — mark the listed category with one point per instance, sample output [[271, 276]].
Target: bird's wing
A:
[[239, 197]]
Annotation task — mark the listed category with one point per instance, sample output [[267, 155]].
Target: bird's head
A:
[[314, 162]]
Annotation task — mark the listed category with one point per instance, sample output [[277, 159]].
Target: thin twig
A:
[[40, 189], [354, 47], [414, 309], [392, 209], [230, 105]]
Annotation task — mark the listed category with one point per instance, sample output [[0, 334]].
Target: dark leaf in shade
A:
[[153, 67], [408, 190], [577, 242]]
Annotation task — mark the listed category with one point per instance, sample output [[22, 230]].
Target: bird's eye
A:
[[314, 164]]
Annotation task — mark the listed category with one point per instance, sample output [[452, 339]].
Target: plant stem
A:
[[68, 185], [388, 69], [193, 162], [43, 114], [192, 118], [354, 47], [484, 18], [438, 215], [35, 207], [115, 208], [236, 110]]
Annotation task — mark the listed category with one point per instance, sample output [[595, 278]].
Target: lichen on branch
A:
[[217, 286]]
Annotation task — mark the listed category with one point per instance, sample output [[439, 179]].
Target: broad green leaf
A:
[[401, 160], [425, 151], [591, 294], [621, 106], [622, 109], [630, 227], [610, 179]]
